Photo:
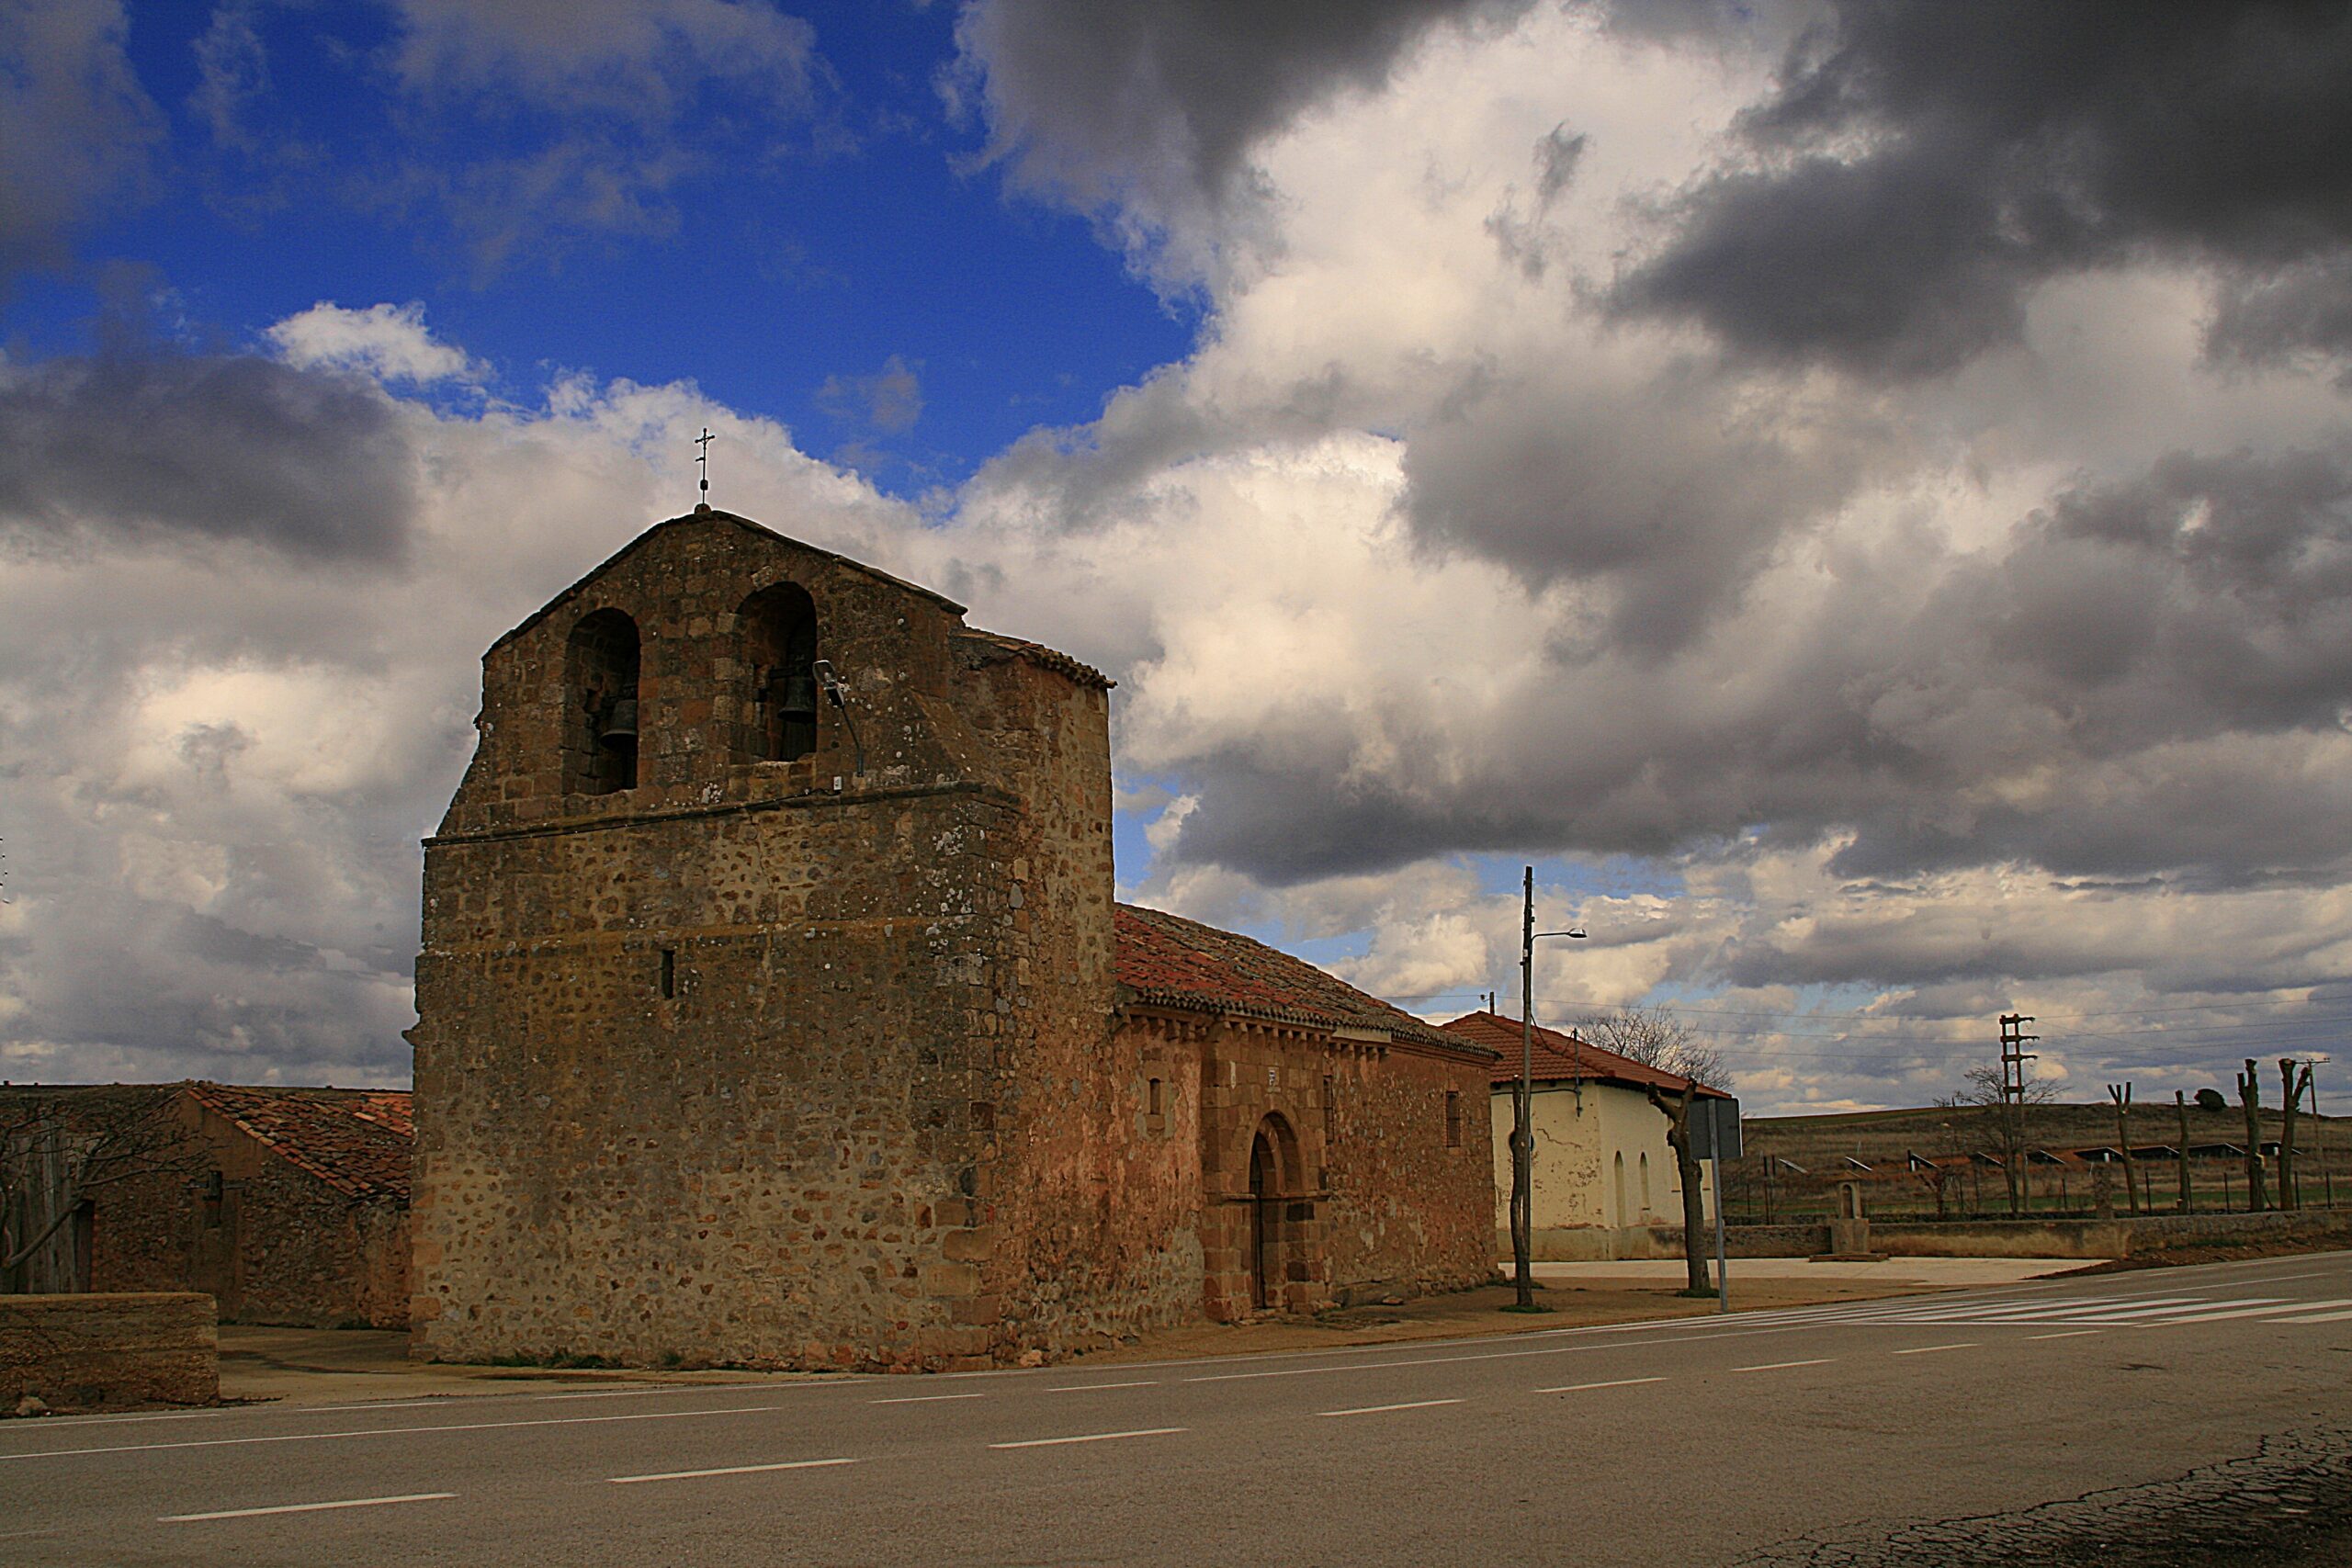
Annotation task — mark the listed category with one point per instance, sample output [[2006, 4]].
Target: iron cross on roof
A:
[[701, 462]]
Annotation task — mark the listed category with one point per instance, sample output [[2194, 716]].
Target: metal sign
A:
[[1715, 1129]]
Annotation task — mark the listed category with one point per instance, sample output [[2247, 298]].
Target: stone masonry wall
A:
[[1406, 1209], [1375, 1200], [83, 1352], [1064, 1256], [762, 1063]]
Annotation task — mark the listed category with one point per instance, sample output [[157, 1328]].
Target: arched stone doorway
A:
[[1265, 1222], [1278, 1239]]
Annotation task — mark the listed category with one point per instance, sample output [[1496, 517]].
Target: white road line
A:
[[2273, 1311], [923, 1398], [2176, 1309], [1715, 1337], [1383, 1409], [1090, 1438], [619, 1393], [1931, 1350], [304, 1507], [396, 1432], [1783, 1365], [2069, 1334], [441, 1400], [82, 1421], [1089, 1387], [2319, 1317], [1614, 1382], [728, 1469]]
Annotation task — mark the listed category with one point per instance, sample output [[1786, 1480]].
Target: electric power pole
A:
[[2014, 1056]]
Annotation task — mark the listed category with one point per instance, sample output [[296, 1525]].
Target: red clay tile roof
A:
[[1168, 961], [1560, 1057], [1038, 653], [359, 1141]]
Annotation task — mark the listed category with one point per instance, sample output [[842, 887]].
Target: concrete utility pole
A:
[[1522, 1120], [2122, 1094], [1522, 1132]]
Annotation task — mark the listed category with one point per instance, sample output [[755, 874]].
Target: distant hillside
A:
[[1876, 1137], [1759, 1188]]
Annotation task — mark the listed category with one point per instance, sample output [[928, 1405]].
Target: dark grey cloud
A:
[[1999, 144], [204, 447], [2303, 313], [76, 129], [1158, 103], [2145, 681], [1673, 490]]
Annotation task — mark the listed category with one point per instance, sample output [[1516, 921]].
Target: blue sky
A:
[[789, 252], [1857, 502]]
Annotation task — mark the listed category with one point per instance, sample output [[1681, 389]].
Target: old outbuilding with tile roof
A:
[[287, 1205], [1604, 1172]]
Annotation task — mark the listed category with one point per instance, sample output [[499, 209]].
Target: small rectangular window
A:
[[1452, 1119], [1154, 1104], [1330, 1109], [668, 972]]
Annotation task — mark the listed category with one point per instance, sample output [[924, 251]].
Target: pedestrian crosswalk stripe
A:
[[2125, 1311]]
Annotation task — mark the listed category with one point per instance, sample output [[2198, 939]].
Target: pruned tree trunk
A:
[[1694, 1201], [2187, 1198], [2291, 1089], [2250, 1097], [2122, 1094]]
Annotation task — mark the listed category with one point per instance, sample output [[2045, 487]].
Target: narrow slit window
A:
[[668, 972], [1452, 1119], [1153, 1099], [1330, 1108]]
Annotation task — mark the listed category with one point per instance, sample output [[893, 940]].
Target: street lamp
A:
[[1522, 1131]]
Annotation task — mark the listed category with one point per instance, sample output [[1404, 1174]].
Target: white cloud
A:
[[388, 342]]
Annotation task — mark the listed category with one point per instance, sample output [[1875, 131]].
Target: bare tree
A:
[[59, 1148], [1657, 1039], [2250, 1099], [2295, 1081], [1982, 1096]]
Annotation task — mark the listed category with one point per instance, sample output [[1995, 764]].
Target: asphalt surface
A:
[[2057, 1422]]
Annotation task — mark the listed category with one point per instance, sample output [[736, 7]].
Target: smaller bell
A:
[[619, 728]]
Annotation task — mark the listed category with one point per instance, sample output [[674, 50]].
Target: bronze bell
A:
[[619, 728], [798, 698]]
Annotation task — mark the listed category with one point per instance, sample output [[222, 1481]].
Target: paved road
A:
[[1750, 1437]]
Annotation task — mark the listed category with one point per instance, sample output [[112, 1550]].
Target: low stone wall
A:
[[80, 1352], [2126, 1236], [1591, 1243]]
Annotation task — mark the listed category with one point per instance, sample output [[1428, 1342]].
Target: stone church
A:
[[775, 1009]]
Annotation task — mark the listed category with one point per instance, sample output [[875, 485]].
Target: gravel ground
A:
[[2288, 1506]]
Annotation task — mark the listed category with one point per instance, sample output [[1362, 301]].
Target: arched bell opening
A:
[[778, 626], [600, 677]]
